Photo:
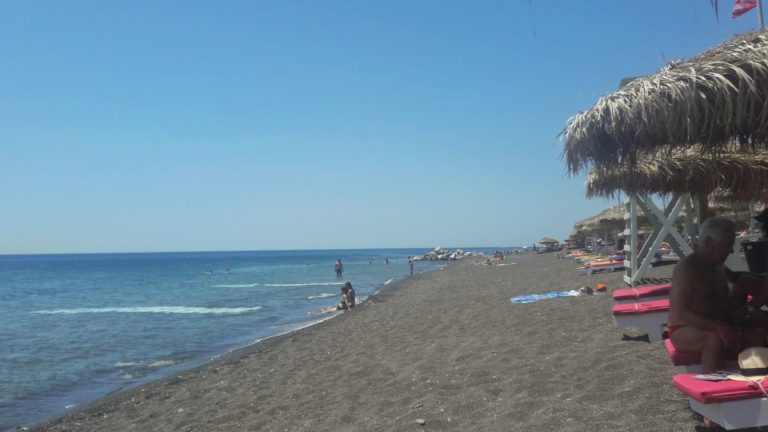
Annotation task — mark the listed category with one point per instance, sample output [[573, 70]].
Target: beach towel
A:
[[530, 298]]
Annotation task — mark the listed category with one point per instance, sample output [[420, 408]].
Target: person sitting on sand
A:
[[350, 294], [345, 303], [704, 316]]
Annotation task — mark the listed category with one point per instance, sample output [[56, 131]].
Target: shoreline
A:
[[54, 381], [445, 346], [181, 369]]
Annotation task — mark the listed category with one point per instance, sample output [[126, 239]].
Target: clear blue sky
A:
[[250, 125]]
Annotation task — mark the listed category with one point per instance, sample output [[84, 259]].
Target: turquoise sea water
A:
[[76, 327]]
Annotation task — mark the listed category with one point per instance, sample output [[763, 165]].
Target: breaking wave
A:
[[152, 309], [304, 284]]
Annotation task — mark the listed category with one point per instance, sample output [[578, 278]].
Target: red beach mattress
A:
[[642, 292], [708, 392], [685, 358], [641, 307], [681, 358], [603, 264]]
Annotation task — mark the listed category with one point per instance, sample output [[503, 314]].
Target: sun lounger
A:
[[692, 360], [593, 267], [642, 293], [730, 404], [589, 258], [649, 315]]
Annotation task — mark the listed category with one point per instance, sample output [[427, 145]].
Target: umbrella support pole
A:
[[639, 259]]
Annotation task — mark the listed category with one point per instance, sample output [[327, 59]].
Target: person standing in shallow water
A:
[[339, 268], [410, 264]]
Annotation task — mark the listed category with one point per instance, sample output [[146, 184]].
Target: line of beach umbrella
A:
[[697, 127]]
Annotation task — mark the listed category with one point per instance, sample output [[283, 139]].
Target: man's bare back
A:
[[698, 300], [699, 286]]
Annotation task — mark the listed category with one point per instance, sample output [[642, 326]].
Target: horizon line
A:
[[466, 248]]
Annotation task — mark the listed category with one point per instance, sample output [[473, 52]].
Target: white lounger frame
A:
[[746, 413], [644, 299], [651, 322]]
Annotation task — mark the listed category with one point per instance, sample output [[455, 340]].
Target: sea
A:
[[76, 327]]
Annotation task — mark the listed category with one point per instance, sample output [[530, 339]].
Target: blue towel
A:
[[530, 298]]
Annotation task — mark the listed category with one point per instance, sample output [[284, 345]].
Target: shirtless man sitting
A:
[[702, 310]]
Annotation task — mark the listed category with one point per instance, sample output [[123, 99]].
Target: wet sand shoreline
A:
[[446, 347]]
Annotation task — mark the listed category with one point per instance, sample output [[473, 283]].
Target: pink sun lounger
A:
[[731, 404], [642, 293], [650, 315], [692, 360]]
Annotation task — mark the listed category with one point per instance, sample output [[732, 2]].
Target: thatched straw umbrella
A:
[[608, 221], [713, 99], [735, 176], [549, 242], [611, 213]]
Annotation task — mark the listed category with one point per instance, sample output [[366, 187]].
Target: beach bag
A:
[[756, 253]]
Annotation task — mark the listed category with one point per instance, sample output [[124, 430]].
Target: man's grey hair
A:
[[717, 228]]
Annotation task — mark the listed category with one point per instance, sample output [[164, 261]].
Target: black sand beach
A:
[[446, 347]]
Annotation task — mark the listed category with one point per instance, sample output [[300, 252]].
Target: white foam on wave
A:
[[237, 286], [127, 363], [147, 363], [288, 328], [319, 296], [162, 363], [292, 327], [152, 309], [304, 284], [388, 281]]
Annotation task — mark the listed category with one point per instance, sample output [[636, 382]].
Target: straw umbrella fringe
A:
[[737, 176], [712, 99]]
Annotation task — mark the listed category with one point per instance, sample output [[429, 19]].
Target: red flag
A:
[[743, 6]]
